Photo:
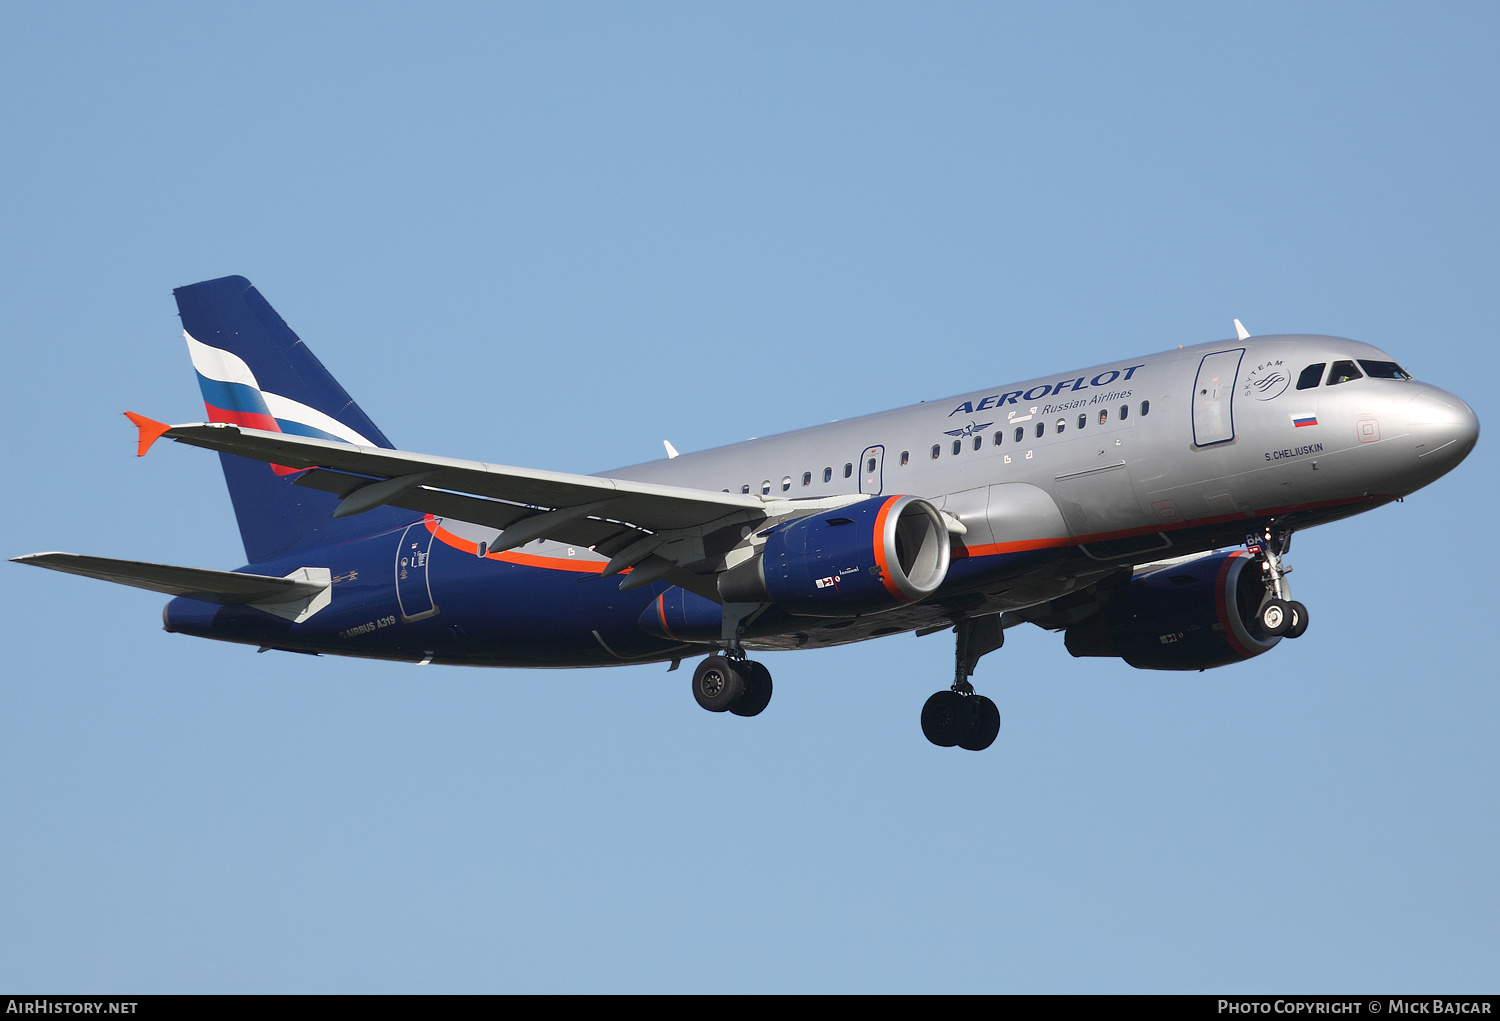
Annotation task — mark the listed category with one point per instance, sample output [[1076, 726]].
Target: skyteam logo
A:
[[1267, 381]]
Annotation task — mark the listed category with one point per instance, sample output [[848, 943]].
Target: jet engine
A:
[[1185, 616], [862, 558]]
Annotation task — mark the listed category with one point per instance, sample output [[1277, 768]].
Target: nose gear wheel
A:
[[1279, 616]]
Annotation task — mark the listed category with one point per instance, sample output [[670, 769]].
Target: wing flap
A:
[[225, 587], [590, 531], [647, 505]]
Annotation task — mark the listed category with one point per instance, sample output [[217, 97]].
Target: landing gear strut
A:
[[732, 683], [1279, 616], [958, 716]]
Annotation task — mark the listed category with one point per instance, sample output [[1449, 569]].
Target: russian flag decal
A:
[[1300, 420]]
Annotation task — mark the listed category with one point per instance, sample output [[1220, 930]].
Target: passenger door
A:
[[872, 470], [1213, 397]]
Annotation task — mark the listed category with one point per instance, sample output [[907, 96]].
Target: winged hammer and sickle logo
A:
[[968, 430]]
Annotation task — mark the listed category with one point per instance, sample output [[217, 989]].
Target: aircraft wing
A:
[[225, 587], [609, 515]]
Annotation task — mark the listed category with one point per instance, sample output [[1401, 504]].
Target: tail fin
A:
[[254, 371]]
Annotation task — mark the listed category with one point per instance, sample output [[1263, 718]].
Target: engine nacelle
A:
[[863, 558], [1187, 616]]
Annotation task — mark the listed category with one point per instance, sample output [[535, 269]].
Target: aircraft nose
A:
[[1443, 429]]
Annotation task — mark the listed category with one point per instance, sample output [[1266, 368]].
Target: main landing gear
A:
[[1279, 616], [730, 682], [958, 716], [733, 684]]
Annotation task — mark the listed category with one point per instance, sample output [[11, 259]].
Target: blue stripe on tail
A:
[[248, 357]]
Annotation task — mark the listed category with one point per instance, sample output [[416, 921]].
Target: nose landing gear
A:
[[958, 716], [1279, 616]]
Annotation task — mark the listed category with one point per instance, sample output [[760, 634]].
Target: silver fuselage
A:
[[1169, 469]]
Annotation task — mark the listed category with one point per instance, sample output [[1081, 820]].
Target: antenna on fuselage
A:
[[672, 451], [1240, 331]]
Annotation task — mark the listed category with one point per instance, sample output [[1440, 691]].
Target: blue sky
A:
[[551, 235]]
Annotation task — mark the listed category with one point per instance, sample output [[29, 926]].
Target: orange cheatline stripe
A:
[[993, 549], [1021, 546], [151, 431], [512, 557]]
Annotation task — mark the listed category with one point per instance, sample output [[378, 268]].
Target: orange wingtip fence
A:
[[151, 431]]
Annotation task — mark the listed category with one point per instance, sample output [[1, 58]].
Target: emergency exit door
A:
[[1213, 397]]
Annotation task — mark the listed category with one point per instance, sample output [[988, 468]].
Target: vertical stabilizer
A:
[[254, 371]]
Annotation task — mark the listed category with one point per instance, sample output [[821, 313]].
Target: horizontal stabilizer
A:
[[224, 587]]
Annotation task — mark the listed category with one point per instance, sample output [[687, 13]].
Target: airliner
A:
[[1142, 507]]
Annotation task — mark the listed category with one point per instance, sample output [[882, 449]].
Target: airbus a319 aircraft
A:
[[1142, 507]]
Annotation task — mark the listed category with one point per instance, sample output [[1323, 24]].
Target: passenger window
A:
[[765, 488], [1343, 372], [999, 435], [848, 468], [1104, 416], [1083, 420], [1384, 370], [1020, 433], [745, 489], [958, 445], [870, 465], [1041, 428], [827, 474], [786, 483], [905, 457], [936, 450], [1145, 408], [807, 478], [1311, 375], [1124, 412], [978, 441], [1062, 423]]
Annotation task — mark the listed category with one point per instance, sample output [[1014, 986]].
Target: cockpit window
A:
[[1343, 372], [1311, 375], [1383, 370]]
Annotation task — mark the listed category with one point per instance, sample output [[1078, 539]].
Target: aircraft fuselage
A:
[[1052, 483]]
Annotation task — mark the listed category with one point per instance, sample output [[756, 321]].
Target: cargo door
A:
[[1213, 397]]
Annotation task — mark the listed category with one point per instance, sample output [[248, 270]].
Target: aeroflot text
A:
[[1042, 390]]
